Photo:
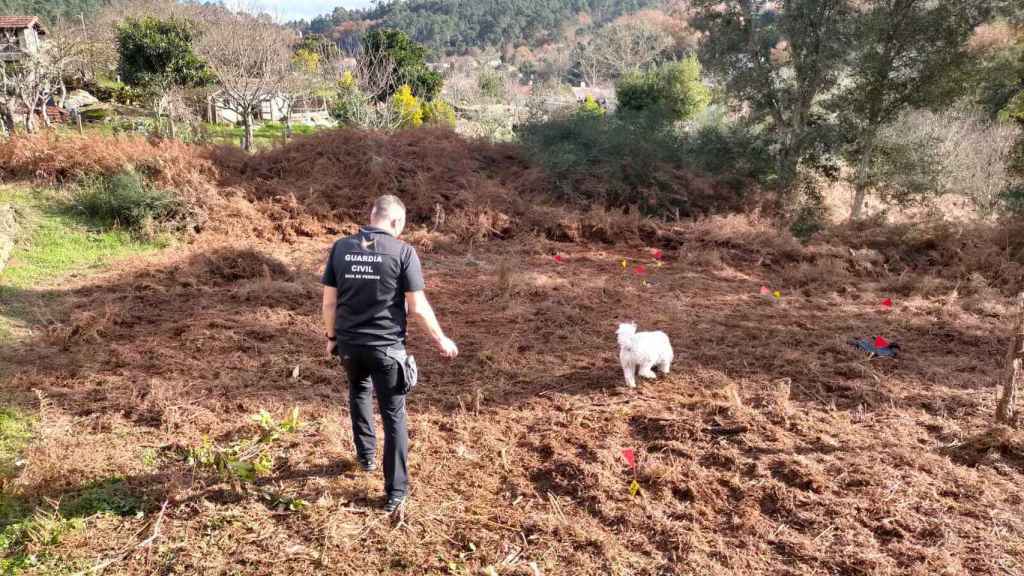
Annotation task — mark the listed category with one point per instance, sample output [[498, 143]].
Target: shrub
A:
[[348, 81], [154, 52], [811, 213], [128, 201], [97, 113], [630, 159], [243, 461], [590, 107], [408, 107], [674, 89], [406, 58], [350, 107], [118, 93], [492, 84], [438, 113], [729, 150], [1013, 199], [637, 92]]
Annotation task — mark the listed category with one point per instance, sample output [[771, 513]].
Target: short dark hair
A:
[[386, 207]]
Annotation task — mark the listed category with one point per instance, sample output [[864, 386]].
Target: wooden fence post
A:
[[1014, 375]]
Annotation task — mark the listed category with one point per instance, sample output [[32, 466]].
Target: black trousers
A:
[[372, 370]]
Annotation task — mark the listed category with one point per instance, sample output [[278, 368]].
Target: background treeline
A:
[[51, 10], [453, 26]]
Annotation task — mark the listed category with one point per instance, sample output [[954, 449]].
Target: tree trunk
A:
[[861, 179], [158, 119], [174, 129], [6, 119], [247, 122], [7, 113], [786, 168], [1006, 411], [30, 116]]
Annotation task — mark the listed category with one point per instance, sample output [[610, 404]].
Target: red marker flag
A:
[[881, 342], [765, 291], [630, 457], [887, 303], [640, 270], [657, 254], [558, 258]]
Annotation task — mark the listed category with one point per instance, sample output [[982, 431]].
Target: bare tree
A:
[[925, 155], [8, 100], [251, 58], [26, 84], [304, 80], [622, 47], [66, 50], [367, 103], [590, 65], [176, 105]]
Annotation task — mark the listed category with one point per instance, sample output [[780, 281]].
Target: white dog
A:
[[643, 351]]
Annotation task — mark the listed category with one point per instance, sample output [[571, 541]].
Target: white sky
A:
[[308, 9]]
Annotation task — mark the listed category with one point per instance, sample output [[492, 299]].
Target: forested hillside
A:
[[457, 25], [50, 10]]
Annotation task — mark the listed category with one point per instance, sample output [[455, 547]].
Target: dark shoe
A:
[[368, 465], [394, 503]]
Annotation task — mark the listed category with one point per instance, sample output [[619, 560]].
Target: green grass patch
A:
[[54, 242], [111, 496], [26, 543], [29, 537], [15, 432], [265, 135]]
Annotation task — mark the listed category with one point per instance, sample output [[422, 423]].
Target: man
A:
[[372, 281]]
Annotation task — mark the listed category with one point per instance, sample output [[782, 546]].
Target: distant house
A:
[[273, 108], [20, 36], [582, 92]]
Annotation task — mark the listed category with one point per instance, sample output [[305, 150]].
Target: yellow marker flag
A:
[[634, 488], [625, 264], [777, 294]]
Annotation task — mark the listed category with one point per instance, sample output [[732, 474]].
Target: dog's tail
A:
[[625, 334]]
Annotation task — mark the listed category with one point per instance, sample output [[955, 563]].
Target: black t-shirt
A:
[[372, 272]]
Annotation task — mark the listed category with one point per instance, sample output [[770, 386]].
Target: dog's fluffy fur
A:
[[640, 352]]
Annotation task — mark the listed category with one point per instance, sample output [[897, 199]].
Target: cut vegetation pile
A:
[[463, 187], [775, 447]]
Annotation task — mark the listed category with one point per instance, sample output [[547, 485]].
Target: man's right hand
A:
[[448, 348]]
